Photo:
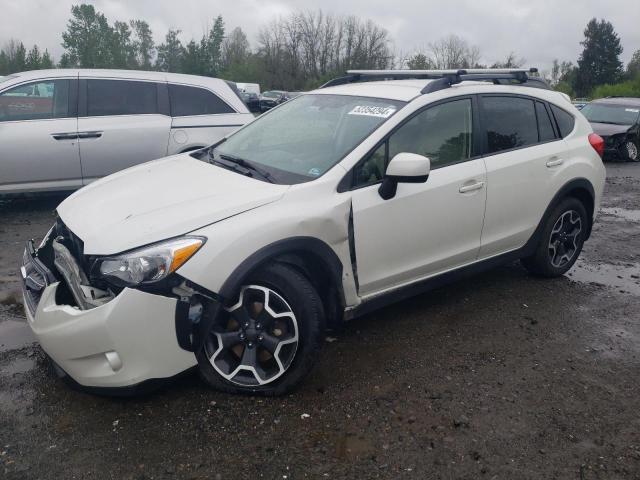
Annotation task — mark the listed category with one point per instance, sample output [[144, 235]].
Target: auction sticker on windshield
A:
[[371, 111]]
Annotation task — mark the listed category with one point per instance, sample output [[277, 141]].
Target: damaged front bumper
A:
[[121, 340]]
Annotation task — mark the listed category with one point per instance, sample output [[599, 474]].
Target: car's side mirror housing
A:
[[404, 168]]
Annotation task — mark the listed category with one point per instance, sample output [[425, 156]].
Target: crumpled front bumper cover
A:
[[127, 341]]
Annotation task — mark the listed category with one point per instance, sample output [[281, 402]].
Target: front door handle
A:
[[471, 188], [65, 136], [89, 134], [554, 162]]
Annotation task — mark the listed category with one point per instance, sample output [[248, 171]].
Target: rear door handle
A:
[[554, 162], [471, 188], [65, 136], [89, 134]]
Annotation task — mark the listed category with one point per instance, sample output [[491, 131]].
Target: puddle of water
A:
[[631, 215], [14, 335], [625, 278]]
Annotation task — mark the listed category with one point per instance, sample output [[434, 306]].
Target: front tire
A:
[[269, 339], [629, 151], [561, 240]]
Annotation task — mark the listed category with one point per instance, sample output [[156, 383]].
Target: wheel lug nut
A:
[[260, 338], [258, 326], [250, 344], [242, 336], [246, 325]]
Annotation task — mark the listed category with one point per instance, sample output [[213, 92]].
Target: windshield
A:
[[272, 94], [616, 114], [305, 137]]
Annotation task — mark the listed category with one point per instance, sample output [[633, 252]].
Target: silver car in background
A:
[[62, 129]]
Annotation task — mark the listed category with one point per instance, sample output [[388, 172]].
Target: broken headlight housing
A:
[[149, 264]]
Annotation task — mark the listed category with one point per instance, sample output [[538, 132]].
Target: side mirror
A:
[[404, 168]]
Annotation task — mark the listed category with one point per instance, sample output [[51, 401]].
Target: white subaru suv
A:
[[233, 259]]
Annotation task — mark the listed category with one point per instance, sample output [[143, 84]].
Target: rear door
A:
[[524, 157], [121, 123], [38, 136]]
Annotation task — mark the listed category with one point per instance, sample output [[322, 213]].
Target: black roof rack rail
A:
[[444, 78]]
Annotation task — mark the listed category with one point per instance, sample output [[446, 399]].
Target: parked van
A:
[[62, 129], [249, 87]]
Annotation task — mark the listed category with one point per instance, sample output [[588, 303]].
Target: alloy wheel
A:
[[632, 151], [256, 341], [565, 235]]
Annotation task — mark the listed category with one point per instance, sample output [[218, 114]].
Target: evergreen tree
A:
[[213, 48], [599, 62], [123, 53], [33, 59], [4, 63], [88, 39], [143, 44], [46, 61], [170, 53], [633, 68]]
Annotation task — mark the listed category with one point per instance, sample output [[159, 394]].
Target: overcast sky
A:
[[538, 30]]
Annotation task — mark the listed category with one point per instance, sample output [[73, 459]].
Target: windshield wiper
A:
[[230, 161]]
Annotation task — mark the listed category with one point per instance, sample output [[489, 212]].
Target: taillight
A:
[[597, 143]]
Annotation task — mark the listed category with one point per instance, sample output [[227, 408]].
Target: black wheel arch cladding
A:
[[301, 253]]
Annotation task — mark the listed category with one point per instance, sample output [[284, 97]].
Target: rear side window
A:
[[121, 97], [186, 101], [564, 119], [34, 101], [545, 127], [510, 122]]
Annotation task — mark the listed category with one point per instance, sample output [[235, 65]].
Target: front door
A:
[[38, 137], [120, 125], [430, 227]]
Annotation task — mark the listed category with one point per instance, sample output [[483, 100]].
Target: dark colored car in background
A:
[[251, 100], [617, 121], [272, 98]]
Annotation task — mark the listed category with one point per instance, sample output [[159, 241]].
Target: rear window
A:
[[510, 123], [565, 120], [186, 101], [121, 97]]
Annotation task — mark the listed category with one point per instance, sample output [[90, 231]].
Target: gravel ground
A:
[[499, 376]]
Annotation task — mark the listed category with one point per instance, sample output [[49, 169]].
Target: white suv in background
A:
[[235, 258], [62, 129]]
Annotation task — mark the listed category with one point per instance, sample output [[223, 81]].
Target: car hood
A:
[[608, 129], [159, 200]]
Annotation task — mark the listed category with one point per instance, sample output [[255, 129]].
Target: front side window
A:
[[121, 97], [510, 122], [186, 101], [305, 137], [442, 133], [35, 101]]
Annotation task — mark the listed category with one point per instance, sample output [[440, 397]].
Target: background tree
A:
[[419, 61], [512, 61], [88, 39], [33, 59], [633, 68], [599, 62], [170, 53], [123, 52], [143, 44], [212, 48]]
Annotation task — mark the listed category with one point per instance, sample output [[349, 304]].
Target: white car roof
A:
[[407, 90]]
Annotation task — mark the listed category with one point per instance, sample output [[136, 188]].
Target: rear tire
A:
[[270, 339], [561, 240]]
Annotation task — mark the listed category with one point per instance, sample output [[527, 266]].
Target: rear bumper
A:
[[124, 343]]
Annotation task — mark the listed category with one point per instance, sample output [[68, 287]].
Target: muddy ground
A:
[[500, 376]]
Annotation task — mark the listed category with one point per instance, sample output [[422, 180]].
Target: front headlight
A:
[[149, 264]]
